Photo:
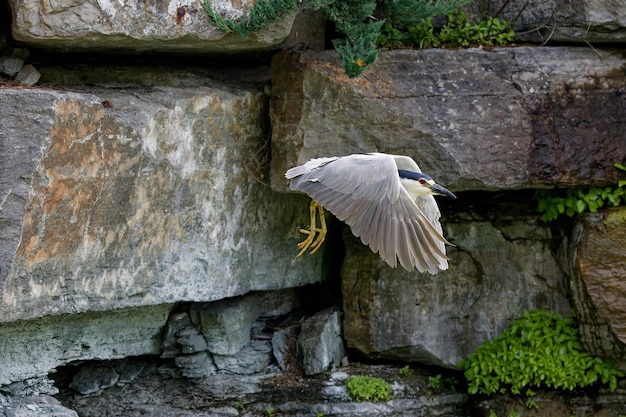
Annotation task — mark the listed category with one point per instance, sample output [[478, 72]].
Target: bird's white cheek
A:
[[414, 188]]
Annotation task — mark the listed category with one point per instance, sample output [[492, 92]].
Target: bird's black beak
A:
[[439, 190]]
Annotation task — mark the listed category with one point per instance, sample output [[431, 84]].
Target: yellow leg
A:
[[311, 240]]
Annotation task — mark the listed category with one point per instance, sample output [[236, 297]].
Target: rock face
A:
[[499, 267], [148, 267], [506, 119], [118, 202], [595, 254], [139, 197], [33, 348], [136, 26], [473, 119]]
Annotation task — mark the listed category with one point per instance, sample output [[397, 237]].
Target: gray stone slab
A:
[[140, 196], [136, 26], [473, 119], [32, 348]]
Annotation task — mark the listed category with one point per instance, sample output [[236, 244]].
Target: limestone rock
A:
[[31, 387], [28, 76], [284, 347], [139, 196], [93, 379], [499, 267], [35, 347], [595, 262], [196, 365], [191, 341], [10, 65], [175, 323], [129, 369], [542, 21], [226, 324], [137, 26], [473, 119], [35, 406], [251, 359], [277, 303], [320, 345]]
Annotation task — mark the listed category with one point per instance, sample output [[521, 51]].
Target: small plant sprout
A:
[[240, 407], [435, 381]]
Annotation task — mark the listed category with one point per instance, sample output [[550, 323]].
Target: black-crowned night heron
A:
[[385, 199]]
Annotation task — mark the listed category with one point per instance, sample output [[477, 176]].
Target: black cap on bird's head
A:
[[425, 181]]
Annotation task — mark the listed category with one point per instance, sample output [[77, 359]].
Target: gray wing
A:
[[364, 191]]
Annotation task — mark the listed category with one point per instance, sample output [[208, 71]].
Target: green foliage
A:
[[405, 372], [539, 350], [552, 204], [459, 31], [358, 49], [530, 404], [435, 381], [367, 388], [403, 14], [240, 407], [354, 19]]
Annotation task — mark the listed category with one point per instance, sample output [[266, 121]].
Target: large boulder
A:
[[130, 197], [500, 266], [505, 118], [594, 259], [320, 346], [127, 27]]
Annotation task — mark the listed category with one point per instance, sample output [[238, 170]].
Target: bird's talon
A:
[[311, 241]]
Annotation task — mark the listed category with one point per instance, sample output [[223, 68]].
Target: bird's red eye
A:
[[422, 181]]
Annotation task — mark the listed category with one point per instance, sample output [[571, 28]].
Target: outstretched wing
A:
[[365, 192]]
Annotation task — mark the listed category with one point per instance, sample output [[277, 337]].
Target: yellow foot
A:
[[312, 241]]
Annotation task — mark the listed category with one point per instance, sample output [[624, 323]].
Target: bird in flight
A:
[[385, 199]]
